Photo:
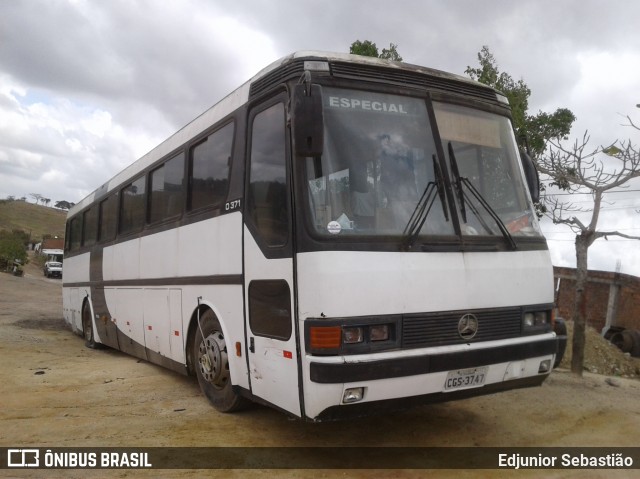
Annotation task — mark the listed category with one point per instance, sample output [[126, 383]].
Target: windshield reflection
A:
[[377, 162], [484, 149], [379, 173]]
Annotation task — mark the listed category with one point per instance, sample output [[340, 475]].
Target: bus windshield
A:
[[380, 173]]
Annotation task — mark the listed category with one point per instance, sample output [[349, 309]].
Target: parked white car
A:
[[53, 269]]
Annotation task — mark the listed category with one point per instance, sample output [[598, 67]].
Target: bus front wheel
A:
[[211, 363]]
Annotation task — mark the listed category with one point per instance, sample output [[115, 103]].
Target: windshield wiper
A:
[[461, 182], [423, 207], [458, 179]]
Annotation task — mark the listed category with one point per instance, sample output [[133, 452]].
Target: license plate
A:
[[465, 378]]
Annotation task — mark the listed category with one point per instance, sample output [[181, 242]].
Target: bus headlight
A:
[[352, 395], [536, 322], [360, 335], [379, 332], [352, 335]]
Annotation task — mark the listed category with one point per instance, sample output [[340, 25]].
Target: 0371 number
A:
[[232, 205]]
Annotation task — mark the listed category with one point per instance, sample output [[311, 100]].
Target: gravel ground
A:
[[602, 357]]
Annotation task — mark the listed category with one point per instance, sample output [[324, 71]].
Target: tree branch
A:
[[605, 234]]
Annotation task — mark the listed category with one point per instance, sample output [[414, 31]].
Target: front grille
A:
[[435, 82], [439, 329], [276, 78], [431, 80]]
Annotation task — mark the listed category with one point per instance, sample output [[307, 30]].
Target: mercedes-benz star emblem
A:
[[468, 326]]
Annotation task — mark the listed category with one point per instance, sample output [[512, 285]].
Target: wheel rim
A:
[[86, 323], [212, 360]]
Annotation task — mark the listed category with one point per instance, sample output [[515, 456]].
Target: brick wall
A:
[[617, 292]]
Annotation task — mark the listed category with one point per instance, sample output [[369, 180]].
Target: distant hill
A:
[[37, 219]]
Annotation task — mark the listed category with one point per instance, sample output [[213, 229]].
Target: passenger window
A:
[[209, 169], [267, 196], [270, 308], [132, 211], [90, 226], [166, 190], [76, 233], [108, 214]]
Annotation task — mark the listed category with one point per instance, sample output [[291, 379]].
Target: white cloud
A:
[[607, 88], [64, 149]]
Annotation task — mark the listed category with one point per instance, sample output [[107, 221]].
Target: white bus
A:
[[338, 236]]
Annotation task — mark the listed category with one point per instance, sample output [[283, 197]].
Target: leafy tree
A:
[[391, 53], [11, 248], [63, 205], [366, 48], [22, 236], [537, 129], [369, 49]]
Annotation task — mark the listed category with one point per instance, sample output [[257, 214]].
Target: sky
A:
[[88, 86]]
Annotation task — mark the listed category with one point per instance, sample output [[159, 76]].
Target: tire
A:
[[560, 328], [635, 343], [87, 328], [623, 341], [211, 365]]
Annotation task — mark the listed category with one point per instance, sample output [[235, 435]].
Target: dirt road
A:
[[57, 393]]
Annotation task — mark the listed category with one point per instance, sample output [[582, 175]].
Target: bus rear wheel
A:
[[211, 363]]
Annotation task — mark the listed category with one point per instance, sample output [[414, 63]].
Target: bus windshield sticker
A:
[[345, 222], [356, 101], [334, 227], [366, 105]]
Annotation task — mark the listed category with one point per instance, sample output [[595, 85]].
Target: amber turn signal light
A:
[[325, 337]]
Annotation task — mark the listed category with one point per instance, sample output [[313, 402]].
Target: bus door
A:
[[268, 261]]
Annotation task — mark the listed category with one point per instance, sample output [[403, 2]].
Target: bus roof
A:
[[235, 100]]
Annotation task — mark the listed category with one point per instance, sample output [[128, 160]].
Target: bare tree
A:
[[36, 196], [578, 169]]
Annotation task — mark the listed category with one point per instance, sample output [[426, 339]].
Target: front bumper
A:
[[348, 372], [399, 380]]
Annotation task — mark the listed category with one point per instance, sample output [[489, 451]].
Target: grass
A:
[[35, 219]]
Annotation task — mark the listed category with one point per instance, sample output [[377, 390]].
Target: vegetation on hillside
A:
[[37, 221], [12, 250]]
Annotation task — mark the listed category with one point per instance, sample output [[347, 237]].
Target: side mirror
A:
[[307, 120], [531, 174]]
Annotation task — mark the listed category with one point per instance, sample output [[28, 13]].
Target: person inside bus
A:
[[363, 199], [397, 179]]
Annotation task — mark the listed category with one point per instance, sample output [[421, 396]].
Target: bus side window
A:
[[132, 207], [107, 218], [165, 200], [267, 196], [209, 169], [89, 226], [76, 233]]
